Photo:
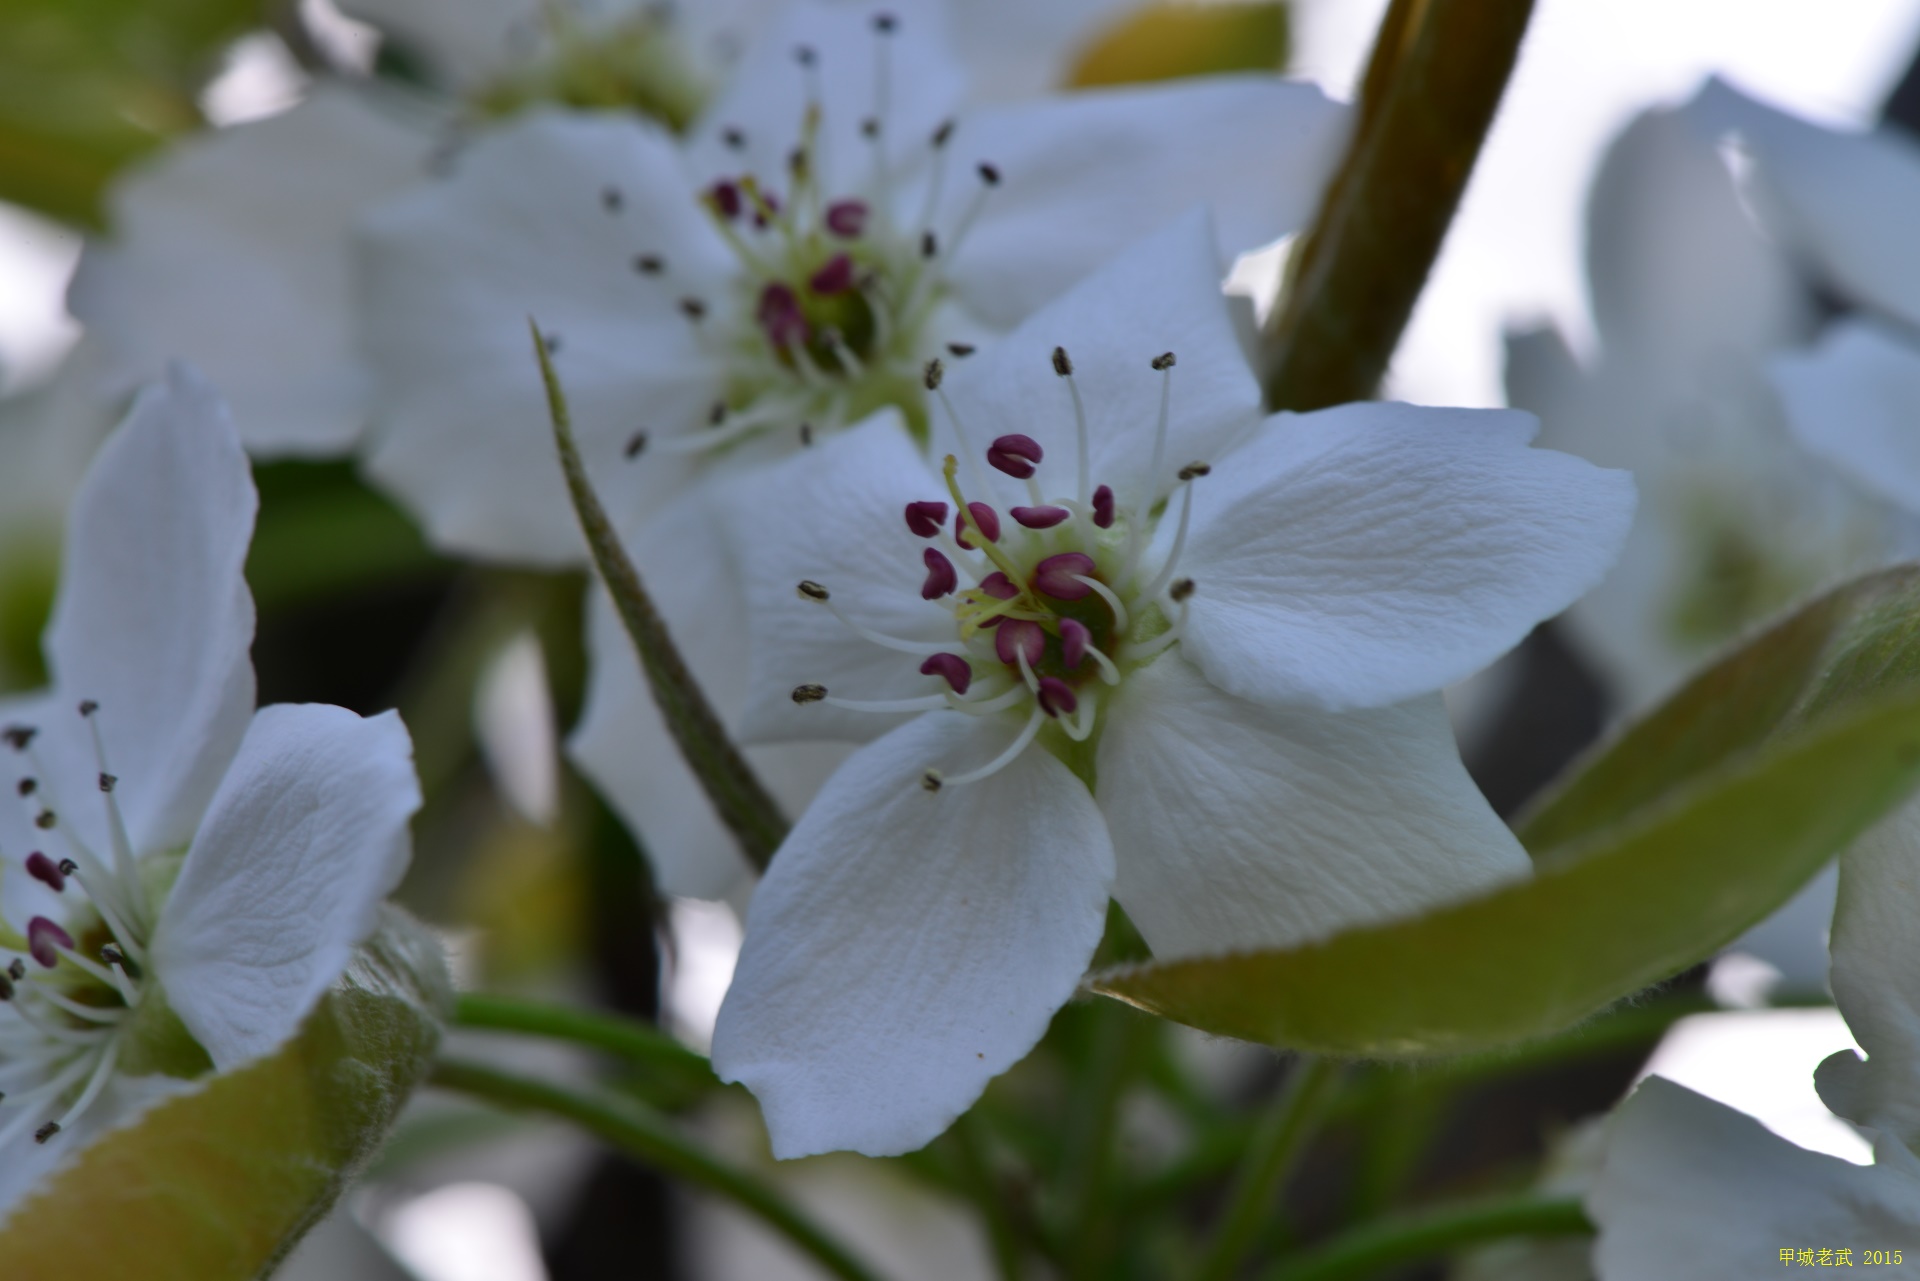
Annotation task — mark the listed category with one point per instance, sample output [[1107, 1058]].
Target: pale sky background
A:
[[1514, 256]]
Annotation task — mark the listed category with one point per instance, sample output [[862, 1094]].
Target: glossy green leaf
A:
[[1166, 41], [218, 1184], [1660, 849]]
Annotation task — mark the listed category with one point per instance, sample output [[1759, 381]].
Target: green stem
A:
[[1273, 1151], [631, 1039], [986, 1193], [646, 1137], [1090, 1138], [1375, 1247], [1437, 73], [743, 802]]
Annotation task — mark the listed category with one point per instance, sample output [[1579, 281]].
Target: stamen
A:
[[1108, 595], [932, 780], [1060, 576], [635, 446], [1014, 454], [1055, 696], [941, 578], [611, 199], [999, 586], [1074, 640], [804, 694], [649, 264], [46, 871], [44, 938], [1020, 641], [127, 875], [846, 218], [955, 670], [926, 518], [961, 349], [925, 703], [1063, 366], [979, 517], [1103, 507], [102, 1073], [1165, 575], [879, 638], [1039, 517], [836, 277]]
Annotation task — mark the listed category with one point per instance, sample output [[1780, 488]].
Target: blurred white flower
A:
[[232, 249], [1090, 667], [189, 863], [1736, 521], [1692, 1189]]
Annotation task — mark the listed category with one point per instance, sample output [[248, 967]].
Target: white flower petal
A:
[[906, 947], [1848, 199], [1239, 826], [1370, 553], [834, 514], [1850, 400], [767, 94], [1876, 979], [521, 229], [306, 837], [1087, 174], [1680, 274], [1162, 294], [154, 620], [623, 743], [233, 251], [1692, 1190]]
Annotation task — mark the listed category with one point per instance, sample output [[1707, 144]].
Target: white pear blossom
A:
[[184, 877], [1693, 1190], [1846, 203], [838, 216], [1130, 638], [233, 248], [1736, 520], [699, 341]]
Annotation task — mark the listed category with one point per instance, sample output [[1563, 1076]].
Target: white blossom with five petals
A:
[[1134, 639], [185, 876]]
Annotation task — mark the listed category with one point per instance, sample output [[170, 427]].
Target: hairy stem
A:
[[749, 812]]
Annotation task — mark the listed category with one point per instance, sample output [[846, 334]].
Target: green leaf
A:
[[218, 1184], [88, 85], [1166, 41], [1666, 845]]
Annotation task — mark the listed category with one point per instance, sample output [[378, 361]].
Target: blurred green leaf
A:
[[1663, 847], [1168, 40], [323, 533], [88, 85], [217, 1185]]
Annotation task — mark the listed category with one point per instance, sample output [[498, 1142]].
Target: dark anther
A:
[[17, 970], [18, 736], [553, 344], [804, 55], [1062, 363], [934, 373], [960, 349], [1163, 361], [733, 137], [931, 780], [27, 786], [649, 264], [88, 707], [111, 954], [68, 867], [885, 23], [929, 245], [1192, 470], [806, 434], [635, 444], [107, 781], [1181, 589], [797, 161], [694, 308], [611, 200], [6, 994], [944, 132], [811, 590], [989, 174], [804, 694], [716, 413], [44, 820], [870, 128], [46, 1132]]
